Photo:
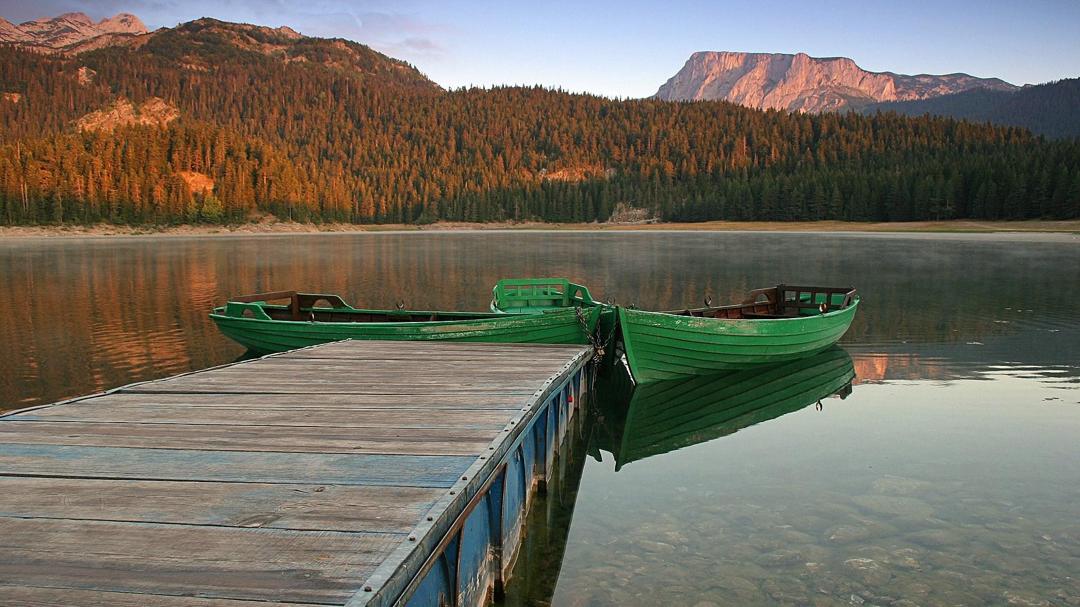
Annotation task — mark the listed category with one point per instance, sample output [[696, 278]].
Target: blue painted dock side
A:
[[353, 473]]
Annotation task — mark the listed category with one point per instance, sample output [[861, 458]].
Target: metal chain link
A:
[[599, 347]]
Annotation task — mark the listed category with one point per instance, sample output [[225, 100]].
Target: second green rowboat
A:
[[771, 326]]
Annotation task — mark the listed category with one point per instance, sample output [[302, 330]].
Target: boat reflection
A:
[[636, 422]]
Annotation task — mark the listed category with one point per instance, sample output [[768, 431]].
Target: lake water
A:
[[949, 475]]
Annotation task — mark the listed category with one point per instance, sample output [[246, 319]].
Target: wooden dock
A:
[[354, 473]]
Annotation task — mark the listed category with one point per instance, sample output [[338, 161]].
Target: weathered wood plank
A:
[[377, 375], [324, 437], [231, 466], [293, 402], [284, 480], [230, 377], [436, 356], [297, 507], [27, 596], [307, 388], [249, 416], [359, 347], [222, 562]]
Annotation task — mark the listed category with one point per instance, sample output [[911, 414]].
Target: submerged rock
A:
[[781, 557], [891, 505], [857, 531], [1025, 600], [867, 571], [899, 485], [936, 538]]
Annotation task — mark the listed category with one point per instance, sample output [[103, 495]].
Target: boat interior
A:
[[781, 301], [320, 307], [533, 294]]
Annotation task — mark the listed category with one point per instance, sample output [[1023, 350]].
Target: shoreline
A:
[[1065, 227]]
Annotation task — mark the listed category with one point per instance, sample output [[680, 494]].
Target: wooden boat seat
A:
[[764, 316]]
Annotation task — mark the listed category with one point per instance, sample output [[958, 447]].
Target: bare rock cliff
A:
[[803, 83], [152, 112], [52, 34]]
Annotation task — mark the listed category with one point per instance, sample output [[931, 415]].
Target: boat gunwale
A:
[[808, 317], [219, 313]]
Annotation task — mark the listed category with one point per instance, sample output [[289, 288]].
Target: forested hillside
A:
[[227, 121], [1051, 109]]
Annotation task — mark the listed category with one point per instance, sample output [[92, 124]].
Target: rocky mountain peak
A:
[[52, 34], [123, 23], [799, 82]]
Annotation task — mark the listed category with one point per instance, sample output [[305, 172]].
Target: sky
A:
[[630, 48]]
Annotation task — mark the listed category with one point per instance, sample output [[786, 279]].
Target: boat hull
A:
[[663, 346], [268, 336]]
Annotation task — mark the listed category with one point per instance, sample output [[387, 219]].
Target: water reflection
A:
[[86, 315], [650, 419]]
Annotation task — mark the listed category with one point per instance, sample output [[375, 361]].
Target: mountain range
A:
[[1051, 109], [779, 81], [72, 32], [217, 121], [798, 82]]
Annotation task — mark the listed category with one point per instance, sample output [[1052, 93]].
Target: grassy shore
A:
[[285, 227]]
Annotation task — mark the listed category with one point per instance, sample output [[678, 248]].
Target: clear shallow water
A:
[[950, 475]]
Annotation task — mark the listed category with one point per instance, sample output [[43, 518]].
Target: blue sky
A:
[[629, 48]]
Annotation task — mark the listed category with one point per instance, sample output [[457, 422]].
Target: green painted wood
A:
[[659, 417], [535, 295], [265, 335], [666, 346]]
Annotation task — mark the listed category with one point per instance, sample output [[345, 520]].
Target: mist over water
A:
[[949, 475]]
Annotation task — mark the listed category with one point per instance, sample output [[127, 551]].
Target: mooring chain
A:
[[598, 352], [599, 347]]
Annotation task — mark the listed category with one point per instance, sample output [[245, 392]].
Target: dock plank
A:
[[222, 436], [293, 402], [225, 562], [29, 596], [370, 418], [297, 507], [230, 466], [301, 387]]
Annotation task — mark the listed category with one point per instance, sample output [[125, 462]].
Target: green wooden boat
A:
[[532, 295], [310, 318], [651, 419], [771, 326]]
